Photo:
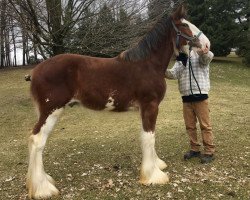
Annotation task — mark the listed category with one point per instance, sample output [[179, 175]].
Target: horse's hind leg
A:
[[40, 184], [151, 164]]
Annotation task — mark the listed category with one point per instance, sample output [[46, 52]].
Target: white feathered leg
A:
[[40, 184], [150, 169], [160, 163]]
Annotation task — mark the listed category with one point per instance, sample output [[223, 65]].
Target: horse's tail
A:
[[27, 77]]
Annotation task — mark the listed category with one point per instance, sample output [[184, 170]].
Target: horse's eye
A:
[[184, 24]]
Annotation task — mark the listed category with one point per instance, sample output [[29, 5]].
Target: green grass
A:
[[229, 59], [88, 149]]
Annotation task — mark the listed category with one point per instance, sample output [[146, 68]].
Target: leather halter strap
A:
[[180, 34], [199, 34]]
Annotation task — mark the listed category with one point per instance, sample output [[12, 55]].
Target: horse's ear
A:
[[180, 12]]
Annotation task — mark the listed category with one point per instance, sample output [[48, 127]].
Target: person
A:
[[193, 80]]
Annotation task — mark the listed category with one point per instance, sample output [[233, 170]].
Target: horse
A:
[[136, 75]]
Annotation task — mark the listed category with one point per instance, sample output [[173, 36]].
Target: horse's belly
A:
[[99, 100]]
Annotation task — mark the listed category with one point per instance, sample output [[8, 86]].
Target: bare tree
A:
[[93, 27], [2, 31], [47, 22], [13, 41]]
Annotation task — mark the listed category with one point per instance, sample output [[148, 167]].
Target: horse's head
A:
[[187, 34]]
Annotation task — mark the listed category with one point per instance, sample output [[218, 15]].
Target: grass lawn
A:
[[96, 155]]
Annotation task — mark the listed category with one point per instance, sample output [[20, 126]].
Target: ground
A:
[[96, 155]]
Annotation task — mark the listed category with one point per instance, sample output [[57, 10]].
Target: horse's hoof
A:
[[42, 190], [50, 191], [157, 177]]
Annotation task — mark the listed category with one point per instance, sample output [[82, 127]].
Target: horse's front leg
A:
[[39, 183], [151, 164]]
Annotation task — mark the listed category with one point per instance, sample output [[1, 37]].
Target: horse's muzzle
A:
[[195, 42]]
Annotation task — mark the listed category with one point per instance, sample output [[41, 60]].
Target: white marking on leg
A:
[[40, 184], [150, 171], [110, 105]]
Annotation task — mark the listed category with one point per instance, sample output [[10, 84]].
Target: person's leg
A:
[[190, 123], [202, 112]]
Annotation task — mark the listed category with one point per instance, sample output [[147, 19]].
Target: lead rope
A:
[[191, 73]]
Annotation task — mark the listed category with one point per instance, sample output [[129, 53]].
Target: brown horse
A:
[[136, 75]]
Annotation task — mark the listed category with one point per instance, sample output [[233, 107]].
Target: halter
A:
[[199, 34], [180, 34]]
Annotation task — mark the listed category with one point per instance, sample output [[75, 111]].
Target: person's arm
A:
[[179, 66], [176, 71], [205, 57]]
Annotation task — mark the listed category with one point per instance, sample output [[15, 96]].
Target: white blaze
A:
[[203, 38]]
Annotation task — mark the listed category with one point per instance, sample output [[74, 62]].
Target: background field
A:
[[96, 155]]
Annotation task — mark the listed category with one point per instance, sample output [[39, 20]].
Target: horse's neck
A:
[[162, 56]]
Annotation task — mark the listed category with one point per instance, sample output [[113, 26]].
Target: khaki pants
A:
[[199, 110]]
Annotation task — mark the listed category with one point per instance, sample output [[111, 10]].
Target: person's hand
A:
[[183, 58], [203, 51]]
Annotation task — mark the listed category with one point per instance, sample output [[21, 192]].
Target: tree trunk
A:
[[54, 9], [24, 47], [7, 49], [14, 47], [35, 49], [27, 50], [2, 31], [13, 38]]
